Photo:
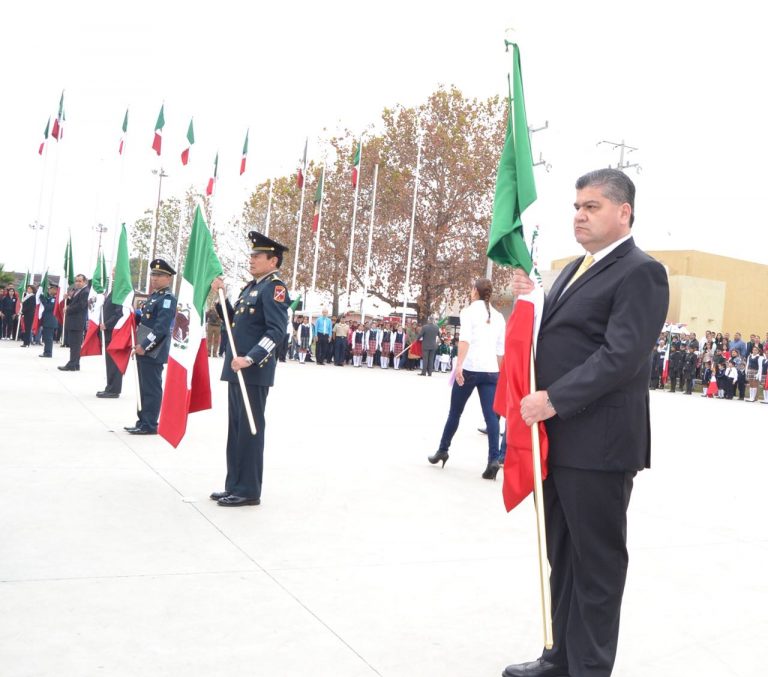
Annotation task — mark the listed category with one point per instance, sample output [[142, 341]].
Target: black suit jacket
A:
[[111, 314], [594, 359], [77, 310]]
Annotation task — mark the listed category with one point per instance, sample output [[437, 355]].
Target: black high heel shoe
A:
[[437, 457], [490, 472]]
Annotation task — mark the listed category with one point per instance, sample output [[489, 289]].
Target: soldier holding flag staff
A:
[[153, 345], [258, 321]]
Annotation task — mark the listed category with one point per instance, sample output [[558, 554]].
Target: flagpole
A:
[[135, 368], [120, 184], [50, 208], [406, 287], [298, 222], [155, 228], [354, 216], [243, 391], [317, 237], [37, 225], [269, 209], [370, 242], [541, 529]]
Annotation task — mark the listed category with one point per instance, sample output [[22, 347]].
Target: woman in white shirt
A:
[[477, 366]]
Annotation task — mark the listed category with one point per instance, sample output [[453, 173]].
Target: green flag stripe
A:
[[201, 265], [122, 286]]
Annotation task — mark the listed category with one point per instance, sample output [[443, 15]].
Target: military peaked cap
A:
[[261, 243], [161, 267]]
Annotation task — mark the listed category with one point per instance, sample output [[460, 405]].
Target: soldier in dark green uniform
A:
[[153, 342], [258, 321]]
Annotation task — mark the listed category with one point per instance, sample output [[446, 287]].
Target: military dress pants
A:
[[48, 341], [151, 386], [245, 452], [586, 517]]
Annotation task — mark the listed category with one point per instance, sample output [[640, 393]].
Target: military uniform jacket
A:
[[48, 318], [259, 321], [157, 314]]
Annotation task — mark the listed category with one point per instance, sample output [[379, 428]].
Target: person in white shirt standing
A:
[[481, 349]]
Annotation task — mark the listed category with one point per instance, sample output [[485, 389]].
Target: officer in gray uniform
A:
[[153, 344], [258, 322]]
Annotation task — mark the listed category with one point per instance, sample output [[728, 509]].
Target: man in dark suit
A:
[[259, 320], [593, 360], [111, 315], [74, 322], [153, 343], [430, 338]]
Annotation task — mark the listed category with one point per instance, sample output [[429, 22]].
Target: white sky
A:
[[682, 81]]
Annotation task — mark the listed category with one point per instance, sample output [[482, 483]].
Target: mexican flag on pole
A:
[[302, 167], [42, 291], [190, 143], [245, 153], [58, 124], [125, 131], [66, 280], [121, 344], [188, 385], [157, 142], [318, 202], [212, 181], [355, 166], [45, 137], [92, 340], [515, 193]]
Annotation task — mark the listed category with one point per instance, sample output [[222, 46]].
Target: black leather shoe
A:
[[142, 431], [68, 368], [105, 395], [236, 501], [129, 428], [490, 471], [537, 668], [44, 355], [483, 431], [216, 495], [437, 457]]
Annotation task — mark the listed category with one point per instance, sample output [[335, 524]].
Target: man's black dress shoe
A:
[[105, 394], [142, 431], [44, 355], [483, 431], [537, 668], [216, 495], [66, 367], [235, 501]]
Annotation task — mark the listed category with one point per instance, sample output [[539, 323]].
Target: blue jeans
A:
[[485, 382]]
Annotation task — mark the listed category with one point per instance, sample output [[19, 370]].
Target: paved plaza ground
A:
[[363, 559]]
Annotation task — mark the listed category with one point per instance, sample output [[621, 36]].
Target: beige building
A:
[[713, 292]]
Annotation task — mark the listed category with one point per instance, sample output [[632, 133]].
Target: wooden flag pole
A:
[[135, 370], [541, 529], [227, 324]]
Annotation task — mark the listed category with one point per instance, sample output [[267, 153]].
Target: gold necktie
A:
[[585, 264]]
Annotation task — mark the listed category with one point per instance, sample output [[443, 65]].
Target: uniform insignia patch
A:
[[167, 303], [254, 293], [280, 294]]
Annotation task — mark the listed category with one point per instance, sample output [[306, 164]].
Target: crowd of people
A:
[[724, 367]]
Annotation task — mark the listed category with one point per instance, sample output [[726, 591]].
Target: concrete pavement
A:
[[362, 559]]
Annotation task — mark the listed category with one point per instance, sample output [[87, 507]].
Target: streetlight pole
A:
[[153, 241]]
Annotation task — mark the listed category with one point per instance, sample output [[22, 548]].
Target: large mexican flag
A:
[[188, 384], [120, 345], [92, 340]]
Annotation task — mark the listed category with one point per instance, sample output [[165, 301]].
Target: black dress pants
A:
[[586, 518], [151, 385], [245, 452], [114, 376], [321, 351], [74, 341]]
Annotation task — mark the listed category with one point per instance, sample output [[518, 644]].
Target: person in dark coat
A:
[[112, 313], [430, 338], [689, 368], [676, 357], [75, 318], [593, 361], [259, 320], [48, 319], [28, 314], [153, 345]]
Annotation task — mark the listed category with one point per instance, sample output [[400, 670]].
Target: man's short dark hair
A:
[[616, 185]]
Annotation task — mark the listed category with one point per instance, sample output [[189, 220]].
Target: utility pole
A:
[[153, 241], [623, 148]]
